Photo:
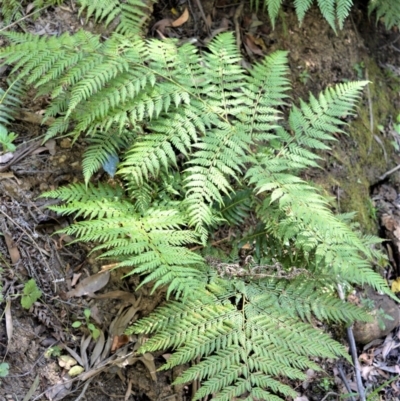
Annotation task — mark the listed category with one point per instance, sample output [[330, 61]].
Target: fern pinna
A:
[[204, 145]]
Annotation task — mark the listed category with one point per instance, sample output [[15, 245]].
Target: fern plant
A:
[[204, 146], [131, 16]]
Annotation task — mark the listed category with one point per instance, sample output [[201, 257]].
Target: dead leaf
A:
[[118, 342], [161, 25], [9, 323], [251, 46], [6, 157], [396, 285], [51, 146], [182, 19], [12, 248], [75, 279], [97, 349], [90, 285], [60, 390], [32, 390], [29, 8], [75, 371], [66, 361], [95, 314], [118, 294]]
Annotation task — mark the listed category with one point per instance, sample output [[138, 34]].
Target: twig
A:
[[353, 350], [23, 18], [393, 170], [236, 17], [328, 394], [200, 7], [344, 380]]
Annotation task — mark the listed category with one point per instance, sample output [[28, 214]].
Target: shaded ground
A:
[[318, 58]]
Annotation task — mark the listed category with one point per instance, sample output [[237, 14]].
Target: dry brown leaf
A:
[[182, 19], [12, 248], [118, 342], [6, 157], [161, 25], [51, 146], [9, 323], [29, 8], [32, 390], [90, 285], [251, 46], [75, 279], [94, 358], [60, 390], [118, 294]]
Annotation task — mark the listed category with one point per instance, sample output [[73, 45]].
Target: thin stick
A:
[[352, 345], [393, 170], [344, 380], [23, 18]]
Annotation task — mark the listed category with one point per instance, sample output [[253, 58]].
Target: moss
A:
[[357, 160]]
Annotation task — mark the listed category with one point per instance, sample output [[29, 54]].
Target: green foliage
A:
[[94, 331], [31, 294], [6, 139], [387, 10], [4, 368], [205, 148], [10, 100]]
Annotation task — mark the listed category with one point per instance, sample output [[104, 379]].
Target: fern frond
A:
[[10, 100], [387, 10], [100, 148], [238, 341], [132, 14]]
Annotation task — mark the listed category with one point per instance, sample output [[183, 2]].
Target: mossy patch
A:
[[357, 160]]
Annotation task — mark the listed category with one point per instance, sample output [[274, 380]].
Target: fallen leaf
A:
[[32, 390], [396, 285], [161, 25], [251, 46], [12, 248], [182, 19], [75, 279], [66, 361], [90, 285], [6, 157], [51, 146], [75, 371], [118, 294], [9, 323], [119, 341]]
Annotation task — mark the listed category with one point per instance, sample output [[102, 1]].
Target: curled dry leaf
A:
[[182, 19]]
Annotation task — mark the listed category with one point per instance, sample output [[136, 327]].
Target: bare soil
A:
[[30, 248]]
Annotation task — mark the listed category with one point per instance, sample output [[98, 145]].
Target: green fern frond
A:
[[132, 14], [10, 100], [100, 147], [237, 341], [11, 10], [387, 10]]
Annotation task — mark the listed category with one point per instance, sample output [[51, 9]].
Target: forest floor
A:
[[352, 173]]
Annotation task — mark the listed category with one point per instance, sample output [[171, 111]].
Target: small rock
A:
[[383, 305], [66, 143]]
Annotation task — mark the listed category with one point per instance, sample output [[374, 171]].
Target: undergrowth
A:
[[205, 149], [131, 14]]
